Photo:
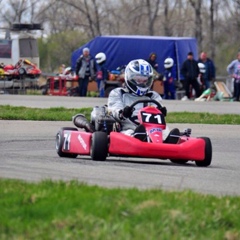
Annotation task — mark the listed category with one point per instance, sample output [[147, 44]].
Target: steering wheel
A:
[[159, 106]]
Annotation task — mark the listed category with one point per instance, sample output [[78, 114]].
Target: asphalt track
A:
[[27, 151]]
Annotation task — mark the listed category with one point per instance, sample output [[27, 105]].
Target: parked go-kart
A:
[[106, 140], [23, 68]]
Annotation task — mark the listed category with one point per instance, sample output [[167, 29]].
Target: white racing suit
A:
[[120, 98]]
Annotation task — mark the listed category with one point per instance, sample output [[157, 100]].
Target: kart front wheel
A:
[[60, 141], [208, 153], [99, 146]]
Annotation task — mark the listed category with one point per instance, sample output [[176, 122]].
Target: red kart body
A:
[[99, 145], [122, 145], [22, 68], [62, 85]]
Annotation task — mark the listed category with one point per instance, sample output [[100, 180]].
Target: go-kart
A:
[[23, 68], [106, 139], [64, 84]]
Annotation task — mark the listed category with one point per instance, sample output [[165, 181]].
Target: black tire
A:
[[108, 90], [208, 153], [99, 146], [48, 82], [60, 142], [178, 161], [45, 90], [21, 71]]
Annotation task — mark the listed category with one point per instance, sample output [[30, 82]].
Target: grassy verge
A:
[[70, 210], [64, 114]]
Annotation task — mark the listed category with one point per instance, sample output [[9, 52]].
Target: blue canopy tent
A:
[[123, 48]]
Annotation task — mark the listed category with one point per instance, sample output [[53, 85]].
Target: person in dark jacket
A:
[[209, 74], [233, 70], [190, 72], [153, 60], [85, 70]]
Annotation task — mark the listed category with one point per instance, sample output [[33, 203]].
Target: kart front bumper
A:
[[189, 149]]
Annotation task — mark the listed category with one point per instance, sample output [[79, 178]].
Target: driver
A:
[[138, 82]]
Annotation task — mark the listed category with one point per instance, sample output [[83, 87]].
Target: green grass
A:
[[8, 112], [33, 92], [71, 210]]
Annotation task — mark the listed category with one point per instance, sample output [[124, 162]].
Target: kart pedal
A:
[[173, 136]]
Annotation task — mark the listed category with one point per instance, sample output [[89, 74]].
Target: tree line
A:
[[69, 24]]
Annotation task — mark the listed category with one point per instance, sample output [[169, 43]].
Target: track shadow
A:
[[142, 161], [152, 162]]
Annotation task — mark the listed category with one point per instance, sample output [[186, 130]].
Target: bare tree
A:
[[170, 14], [88, 18], [152, 13], [19, 11], [166, 18], [197, 5], [214, 23], [236, 15], [212, 40]]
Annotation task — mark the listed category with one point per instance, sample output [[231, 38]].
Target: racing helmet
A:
[[67, 70], [201, 67], [139, 77], [100, 57], [168, 62]]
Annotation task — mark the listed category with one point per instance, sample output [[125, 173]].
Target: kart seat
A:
[[173, 136], [140, 133]]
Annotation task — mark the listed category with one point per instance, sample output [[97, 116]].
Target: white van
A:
[[18, 45]]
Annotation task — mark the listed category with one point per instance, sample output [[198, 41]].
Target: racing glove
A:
[[125, 113], [164, 111]]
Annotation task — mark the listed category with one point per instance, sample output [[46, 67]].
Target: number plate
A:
[[153, 118]]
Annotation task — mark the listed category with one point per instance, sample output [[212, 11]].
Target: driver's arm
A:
[[115, 103], [157, 97]]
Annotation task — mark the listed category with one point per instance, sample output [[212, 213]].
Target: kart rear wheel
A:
[[60, 142], [21, 71], [208, 153], [99, 146]]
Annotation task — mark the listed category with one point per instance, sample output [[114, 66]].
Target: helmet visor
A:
[[141, 81]]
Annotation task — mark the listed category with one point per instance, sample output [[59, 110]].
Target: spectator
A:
[[153, 60], [169, 77], [85, 70], [102, 73], [209, 74], [190, 72], [234, 70], [202, 71], [61, 69]]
